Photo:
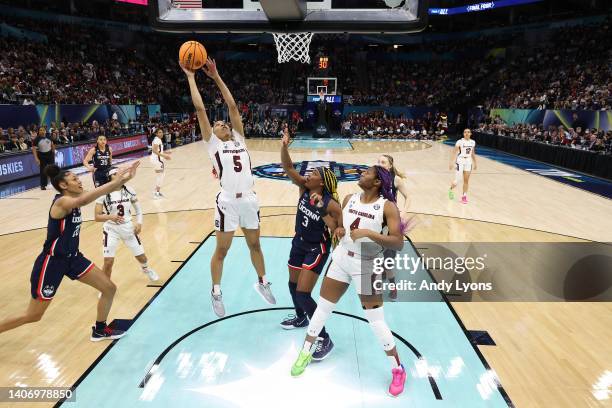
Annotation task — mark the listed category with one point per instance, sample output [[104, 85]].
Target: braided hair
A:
[[330, 182], [386, 182], [330, 185]]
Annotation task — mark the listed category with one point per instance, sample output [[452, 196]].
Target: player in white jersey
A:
[[158, 158], [236, 203], [463, 160], [364, 215], [115, 210]]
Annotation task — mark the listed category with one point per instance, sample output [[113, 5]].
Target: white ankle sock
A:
[[307, 346], [394, 362], [217, 289]]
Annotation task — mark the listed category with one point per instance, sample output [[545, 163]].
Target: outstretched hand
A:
[[127, 173], [188, 72], [210, 68], [286, 139]]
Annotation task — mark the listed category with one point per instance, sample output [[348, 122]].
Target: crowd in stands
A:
[[20, 139], [75, 65], [572, 71], [577, 137], [382, 125]]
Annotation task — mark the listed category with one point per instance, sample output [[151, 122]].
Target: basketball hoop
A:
[[293, 46]]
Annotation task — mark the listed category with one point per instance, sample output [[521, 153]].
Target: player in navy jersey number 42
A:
[[61, 257], [318, 213]]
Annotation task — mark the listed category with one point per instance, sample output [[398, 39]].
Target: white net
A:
[[293, 46]]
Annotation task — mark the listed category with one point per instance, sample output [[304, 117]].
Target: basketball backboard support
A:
[[321, 16]]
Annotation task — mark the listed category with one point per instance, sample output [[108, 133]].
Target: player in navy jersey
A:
[[318, 213], [61, 257], [101, 156]]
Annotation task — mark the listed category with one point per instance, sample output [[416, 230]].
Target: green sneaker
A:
[[451, 195], [301, 363]]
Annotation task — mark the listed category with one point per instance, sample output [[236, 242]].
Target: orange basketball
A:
[[192, 55]]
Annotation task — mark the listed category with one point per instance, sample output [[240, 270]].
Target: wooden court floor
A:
[[547, 354]]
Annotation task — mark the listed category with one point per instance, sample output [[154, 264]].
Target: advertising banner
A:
[[18, 166]]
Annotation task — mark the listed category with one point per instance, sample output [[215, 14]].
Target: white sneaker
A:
[[265, 292], [153, 276], [156, 195]]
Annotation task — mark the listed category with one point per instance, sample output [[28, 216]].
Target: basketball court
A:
[[177, 352]]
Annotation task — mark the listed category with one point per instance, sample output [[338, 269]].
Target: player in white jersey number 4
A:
[[115, 210], [463, 160], [236, 203], [364, 216]]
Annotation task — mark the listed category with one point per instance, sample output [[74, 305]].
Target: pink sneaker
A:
[[464, 200], [397, 384]]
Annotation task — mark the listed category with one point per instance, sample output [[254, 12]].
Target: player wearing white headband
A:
[[115, 210]]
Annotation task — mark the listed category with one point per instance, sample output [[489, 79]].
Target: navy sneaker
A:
[[323, 348], [294, 322], [106, 334]]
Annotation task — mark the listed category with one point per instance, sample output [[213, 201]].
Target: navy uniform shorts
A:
[[100, 177], [48, 272], [308, 255]]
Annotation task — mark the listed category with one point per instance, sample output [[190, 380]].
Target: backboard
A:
[[317, 85], [320, 16]]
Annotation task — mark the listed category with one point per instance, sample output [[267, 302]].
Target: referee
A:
[[44, 154]]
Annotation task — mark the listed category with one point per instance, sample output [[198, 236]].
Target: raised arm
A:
[[65, 204], [198, 104], [211, 70], [287, 163]]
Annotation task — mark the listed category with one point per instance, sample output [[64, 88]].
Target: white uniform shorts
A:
[[157, 163], [114, 234], [463, 164], [346, 268], [233, 210]]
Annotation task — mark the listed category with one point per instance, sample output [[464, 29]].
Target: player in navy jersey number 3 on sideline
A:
[[318, 213], [237, 204], [60, 255]]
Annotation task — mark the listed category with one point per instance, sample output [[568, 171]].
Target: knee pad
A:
[[376, 318], [320, 316]]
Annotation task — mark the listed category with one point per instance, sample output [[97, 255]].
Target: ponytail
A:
[[56, 175], [394, 170]]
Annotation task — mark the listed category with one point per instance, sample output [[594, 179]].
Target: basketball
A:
[[192, 55]]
